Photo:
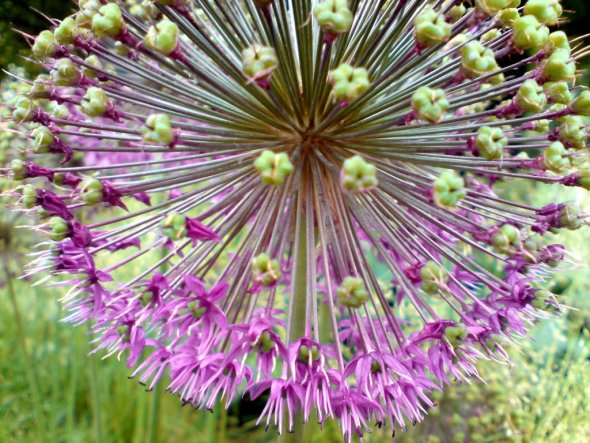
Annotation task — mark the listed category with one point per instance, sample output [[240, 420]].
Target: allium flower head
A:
[[305, 201]]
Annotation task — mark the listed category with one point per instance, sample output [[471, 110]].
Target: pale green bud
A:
[[583, 180], [558, 40], [273, 168], [91, 60], [65, 73], [581, 104], [508, 16], [559, 67], [174, 226], [95, 102], [431, 28], [157, 130], [258, 62], [348, 82], [163, 37], [491, 7], [573, 131], [41, 88], [558, 92], [45, 45], [59, 228], [477, 60], [449, 189], [546, 11], [571, 217], [108, 21], [528, 33], [42, 139], [59, 111], [24, 110], [490, 142], [542, 125], [456, 13], [333, 16], [429, 104], [352, 293], [556, 159], [29, 199], [18, 169], [65, 33], [266, 271], [507, 239], [490, 35], [358, 175], [434, 277], [91, 191], [530, 97]]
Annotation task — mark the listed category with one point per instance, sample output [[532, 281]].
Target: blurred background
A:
[[51, 390]]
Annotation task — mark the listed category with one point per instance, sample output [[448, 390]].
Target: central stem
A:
[[298, 318]]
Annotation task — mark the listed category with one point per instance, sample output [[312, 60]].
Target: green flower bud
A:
[[491, 7], [449, 189], [121, 49], [258, 62], [559, 67], [571, 218], [65, 73], [163, 37], [157, 130], [558, 92], [59, 228], [174, 226], [349, 83], [65, 33], [456, 13], [42, 139], [266, 271], [91, 191], [555, 158], [558, 40], [59, 111], [306, 354], [273, 168], [542, 125], [490, 142], [477, 60], [41, 88], [24, 110], [88, 10], [91, 60], [533, 243], [108, 21], [455, 335], [18, 169], [546, 11], [581, 105], [507, 239], [430, 104], [333, 16], [490, 35], [45, 45], [530, 97], [358, 175], [29, 199], [528, 33], [573, 131], [265, 342], [431, 28], [352, 293], [196, 310], [583, 180], [434, 277], [508, 16], [95, 102], [144, 11]]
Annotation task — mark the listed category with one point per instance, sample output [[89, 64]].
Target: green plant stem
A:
[[29, 363], [96, 403], [298, 321], [154, 418]]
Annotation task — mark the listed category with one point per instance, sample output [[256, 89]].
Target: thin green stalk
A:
[[96, 402], [297, 321], [154, 418], [29, 363]]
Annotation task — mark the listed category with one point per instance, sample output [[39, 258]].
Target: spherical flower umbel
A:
[[265, 155]]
